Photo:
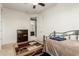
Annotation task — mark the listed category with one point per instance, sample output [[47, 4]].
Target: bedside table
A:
[[30, 48]]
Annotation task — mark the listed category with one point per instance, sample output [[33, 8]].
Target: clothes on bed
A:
[[58, 37]]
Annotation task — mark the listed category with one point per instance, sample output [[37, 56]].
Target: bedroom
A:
[[59, 17]]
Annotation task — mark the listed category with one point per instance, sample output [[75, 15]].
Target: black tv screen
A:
[[22, 35]]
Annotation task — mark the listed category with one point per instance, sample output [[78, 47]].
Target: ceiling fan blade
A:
[[34, 6], [42, 4]]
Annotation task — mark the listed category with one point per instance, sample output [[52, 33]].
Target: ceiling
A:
[[28, 7]]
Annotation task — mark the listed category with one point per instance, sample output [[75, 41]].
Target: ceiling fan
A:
[[41, 4]]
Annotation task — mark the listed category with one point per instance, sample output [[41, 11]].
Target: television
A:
[[22, 35]]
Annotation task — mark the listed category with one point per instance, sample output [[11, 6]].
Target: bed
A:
[[63, 48]]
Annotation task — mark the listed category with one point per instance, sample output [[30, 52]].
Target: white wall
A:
[[11, 21], [62, 17]]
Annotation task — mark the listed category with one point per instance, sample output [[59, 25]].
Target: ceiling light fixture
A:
[[34, 3]]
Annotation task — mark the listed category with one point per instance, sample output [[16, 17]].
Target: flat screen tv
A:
[[22, 35]]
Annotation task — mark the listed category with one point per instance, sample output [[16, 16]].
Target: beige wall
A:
[[0, 27]]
